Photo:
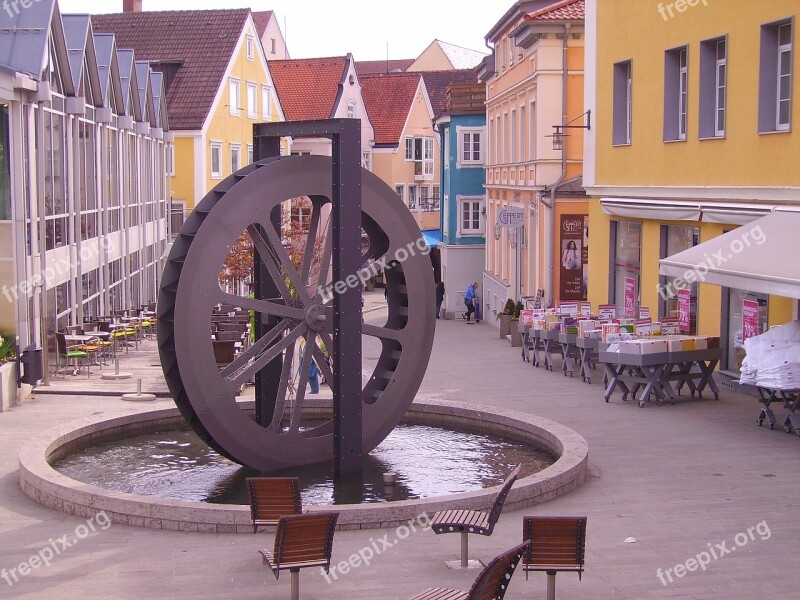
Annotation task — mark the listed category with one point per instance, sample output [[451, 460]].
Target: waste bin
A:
[[31, 365]]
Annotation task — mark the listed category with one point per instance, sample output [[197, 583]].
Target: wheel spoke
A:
[[282, 258], [325, 264], [267, 306], [270, 261], [257, 357], [311, 240], [283, 387], [383, 333], [300, 397]]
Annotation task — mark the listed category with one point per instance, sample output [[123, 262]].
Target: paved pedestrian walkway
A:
[[681, 480]]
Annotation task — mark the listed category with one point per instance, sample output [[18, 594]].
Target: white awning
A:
[[632, 208], [761, 256]]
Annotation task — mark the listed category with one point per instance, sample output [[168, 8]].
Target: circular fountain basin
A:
[[40, 481]]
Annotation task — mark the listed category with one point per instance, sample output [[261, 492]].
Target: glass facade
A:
[[626, 261], [674, 239]]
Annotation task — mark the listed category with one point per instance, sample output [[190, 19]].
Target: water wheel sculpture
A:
[[190, 290]]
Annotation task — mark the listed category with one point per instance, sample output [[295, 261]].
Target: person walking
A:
[[469, 301], [439, 297]]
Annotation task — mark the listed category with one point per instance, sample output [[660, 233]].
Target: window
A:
[[532, 117], [234, 97], [514, 135], [522, 133], [469, 221], [419, 150], [236, 157], [676, 93], [623, 104], [471, 147], [250, 48], [713, 87], [301, 214], [249, 154], [170, 167], [626, 262], [400, 190], [272, 46], [674, 239], [412, 197], [251, 100], [266, 102], [366, 160], [351, 109], [775, 77], [216, 160], [447, 147]]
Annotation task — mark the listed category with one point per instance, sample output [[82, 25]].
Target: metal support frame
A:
[[345, 135]]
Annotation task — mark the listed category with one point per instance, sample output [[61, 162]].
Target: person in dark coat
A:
[[439, 297]]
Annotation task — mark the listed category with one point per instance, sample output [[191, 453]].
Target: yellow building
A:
[[534, 84], [218, 86], [695, 105]]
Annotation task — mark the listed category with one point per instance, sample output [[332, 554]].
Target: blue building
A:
[[462, 130]]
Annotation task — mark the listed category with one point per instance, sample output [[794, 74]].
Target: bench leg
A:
[[464, 550], [551, 585], [294, 580]]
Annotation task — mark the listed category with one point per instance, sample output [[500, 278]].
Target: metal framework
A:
[[290, 305]]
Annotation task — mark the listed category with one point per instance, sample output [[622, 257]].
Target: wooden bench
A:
[[301, 541], [473, 521], [557, 544], [491, 584], [271, 498]]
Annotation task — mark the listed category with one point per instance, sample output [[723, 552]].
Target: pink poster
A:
[[749, 318], [630, 297], [684, 310]]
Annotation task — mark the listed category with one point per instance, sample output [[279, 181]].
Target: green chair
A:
[[73, 353]]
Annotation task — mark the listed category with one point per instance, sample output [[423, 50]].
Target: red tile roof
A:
[[200, 41], [566, 10], [389, 99], [261, 20], [308, 87], [437, 82], [367, 67]]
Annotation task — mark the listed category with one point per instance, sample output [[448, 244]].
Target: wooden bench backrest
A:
[[304, 540], [224, 351], [497, 507], [273, 497], [557, 543], [493, 581]]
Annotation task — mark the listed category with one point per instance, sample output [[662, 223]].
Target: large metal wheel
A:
[[206, 394]]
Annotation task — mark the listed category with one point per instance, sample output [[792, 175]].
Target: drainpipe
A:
[[551, 221]]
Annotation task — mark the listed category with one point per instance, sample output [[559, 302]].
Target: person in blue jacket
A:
[[469, 301]]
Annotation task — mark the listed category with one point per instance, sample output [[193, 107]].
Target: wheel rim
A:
[[190, 289]]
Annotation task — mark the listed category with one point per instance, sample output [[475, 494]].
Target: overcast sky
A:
[[363, 27]]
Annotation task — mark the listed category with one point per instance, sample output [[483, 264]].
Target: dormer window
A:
[[352, 113]]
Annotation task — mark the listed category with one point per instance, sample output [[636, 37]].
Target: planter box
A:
[[505, 325], [516, 336], [8, 385]]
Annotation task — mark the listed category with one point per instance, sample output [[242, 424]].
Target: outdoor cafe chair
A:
[[491, 584], [271, 498], [557, 544]]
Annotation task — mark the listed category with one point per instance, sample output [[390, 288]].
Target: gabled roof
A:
[[520, 8], [388, 100], [108, 67], [566, 10], [437, 82], [201, 41], [308, 88], [24, 41], [159, 99], [460, 58], [368, 67], [145, 95], [82, 55], [261, 19], [130, 87]]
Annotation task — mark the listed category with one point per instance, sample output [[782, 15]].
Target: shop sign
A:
[[511, 217], [684, 310], [749, 318]]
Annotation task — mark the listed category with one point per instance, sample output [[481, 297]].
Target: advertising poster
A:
[[573, 257], [749, 318], [630, 297], [684, 310]]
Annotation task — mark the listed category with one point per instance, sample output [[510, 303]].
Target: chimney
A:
[[131, 6]]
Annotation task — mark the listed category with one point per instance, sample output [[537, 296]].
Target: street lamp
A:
[[559, 134]]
